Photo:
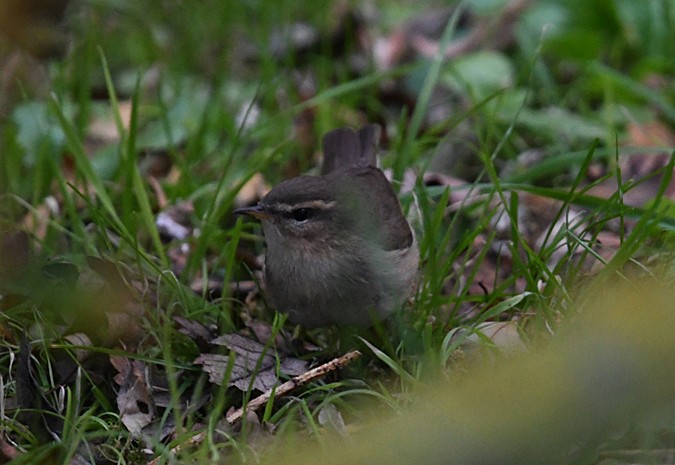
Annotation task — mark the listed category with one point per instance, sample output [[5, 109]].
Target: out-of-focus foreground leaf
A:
[[612, 364]]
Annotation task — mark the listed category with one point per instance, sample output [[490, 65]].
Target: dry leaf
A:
[[134, 399], [103, 128], [254, 366], [500, 335], [195, 330], [175, 221], [331, 418], [253, 190]]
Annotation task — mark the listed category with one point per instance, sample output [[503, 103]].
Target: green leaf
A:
[[482, 73], [390, 362], [37, 131], [561, 122]]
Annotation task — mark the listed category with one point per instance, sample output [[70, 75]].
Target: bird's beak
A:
[[256, 212]]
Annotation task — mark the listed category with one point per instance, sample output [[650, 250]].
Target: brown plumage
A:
[[339, 249]]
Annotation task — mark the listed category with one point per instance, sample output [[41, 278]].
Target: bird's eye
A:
[[300, 214]]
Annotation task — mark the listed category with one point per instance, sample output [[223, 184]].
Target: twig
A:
[[262, 399], [293, 383], [194, 440]]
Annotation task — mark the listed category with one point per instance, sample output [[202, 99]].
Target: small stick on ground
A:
[[281, 390], [278, 391], [193, 441]]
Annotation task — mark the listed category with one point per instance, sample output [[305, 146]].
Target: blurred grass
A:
[[577, 74]]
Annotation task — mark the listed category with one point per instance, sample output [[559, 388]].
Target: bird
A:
[[339, 248]]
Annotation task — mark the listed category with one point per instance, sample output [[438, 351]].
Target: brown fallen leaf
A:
[[103, 128], [195, 330], [37, 220], [421, 35], [255, 365], [234, 415], [253, 190], [134, 399], [653, 141]]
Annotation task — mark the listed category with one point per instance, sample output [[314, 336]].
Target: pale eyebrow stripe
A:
[[316, 204]]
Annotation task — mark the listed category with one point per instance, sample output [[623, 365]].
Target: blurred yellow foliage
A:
[[610, 364]]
